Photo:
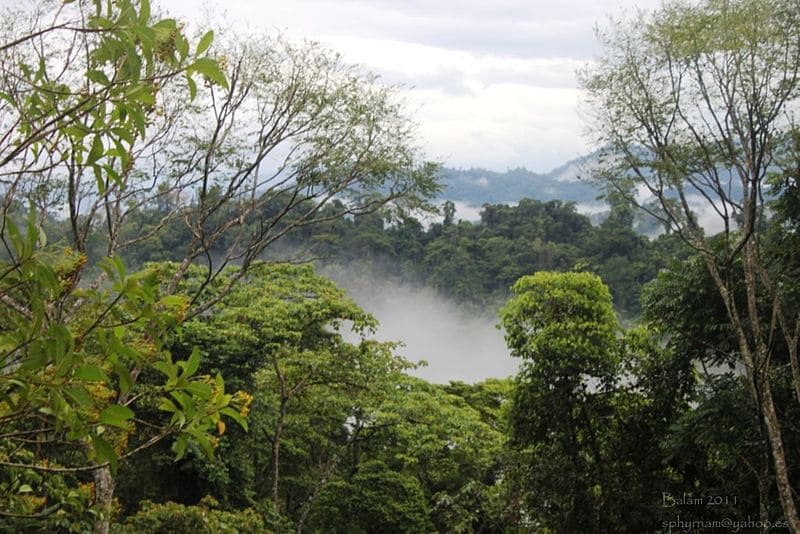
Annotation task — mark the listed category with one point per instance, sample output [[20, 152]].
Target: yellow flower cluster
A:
[[244, 400]]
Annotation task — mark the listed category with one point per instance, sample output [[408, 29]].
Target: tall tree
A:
[[694, 105], [281, 335], [591, 407], [564, 329]]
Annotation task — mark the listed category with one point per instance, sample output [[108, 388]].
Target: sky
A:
[[492, 84]]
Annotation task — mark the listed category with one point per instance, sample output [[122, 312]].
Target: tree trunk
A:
[[760, 376], [104, 495], [756, 362], [763, 479], [333, 463], [779, 460]]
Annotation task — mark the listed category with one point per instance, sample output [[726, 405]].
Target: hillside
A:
[[480, 186]]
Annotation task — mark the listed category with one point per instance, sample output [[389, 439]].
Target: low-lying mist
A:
[[457, 344]]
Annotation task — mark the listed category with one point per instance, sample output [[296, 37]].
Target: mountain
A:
[[472, 188], [476, 187]]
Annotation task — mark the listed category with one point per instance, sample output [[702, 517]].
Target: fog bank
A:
[[457, 345]]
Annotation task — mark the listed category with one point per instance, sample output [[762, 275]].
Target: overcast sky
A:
[[492, 83]]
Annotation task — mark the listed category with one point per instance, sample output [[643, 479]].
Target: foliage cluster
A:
[[202, 519]]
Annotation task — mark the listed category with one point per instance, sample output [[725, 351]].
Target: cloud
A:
[[500, 28], [456, 345], [426, 66], [482, 111], [467, 212], [493, 83], [500, 126]]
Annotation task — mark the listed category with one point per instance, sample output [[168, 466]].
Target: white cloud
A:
[[418, 65], [493, 82], [500, 126], [467, 212], [455, 344]]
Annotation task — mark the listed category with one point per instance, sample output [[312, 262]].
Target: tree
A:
[[683, 304], [621, 257], [297, 138], [694, 105], [426, 460], [590, 409], [340, 438], [202, 519], [564, 329], [280, 334], [376, 497]]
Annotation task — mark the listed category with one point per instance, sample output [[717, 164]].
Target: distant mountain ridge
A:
[[472, 188], [480, 186]]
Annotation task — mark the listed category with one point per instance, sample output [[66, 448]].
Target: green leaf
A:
[[80, 396], [123, 134], [204, 43], [144, 11], [116, 415], [192, 86], [198, 389], [119, 265], [96, 151], [98, 76], [32, 230], [111, 173], [142, 93], [193, 363], [101, 22], [91, 373], [186, 402], [15, 236], [124, 375], [167, 406], [168, 369], [101, 183], [204, 443], [210, 68], [133, 64], [7, 98], [180, 446], [138, 119], [77, 132], [60, 343], [236, 416], [181, 45], [36, 360], [25, 488], [147, 37], [104, 452]]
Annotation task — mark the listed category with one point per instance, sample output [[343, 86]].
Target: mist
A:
[[456, 344]]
